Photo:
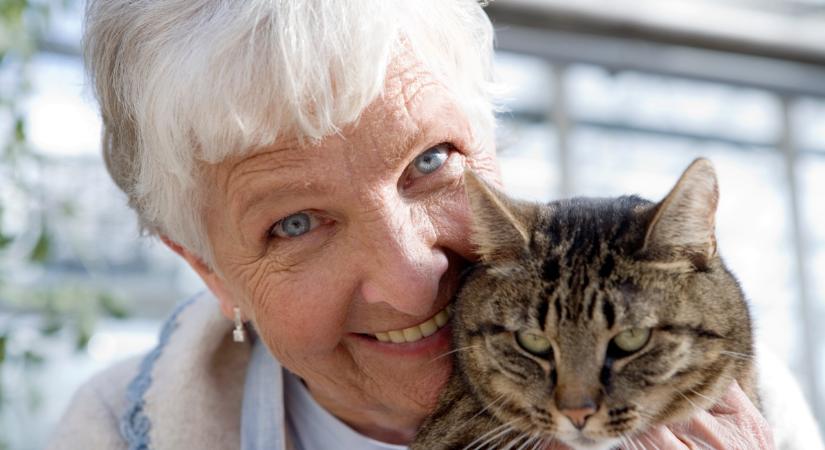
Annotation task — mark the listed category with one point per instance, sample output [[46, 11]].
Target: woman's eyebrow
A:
[[269, 192]]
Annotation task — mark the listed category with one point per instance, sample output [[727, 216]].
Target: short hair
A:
[[186, 82]]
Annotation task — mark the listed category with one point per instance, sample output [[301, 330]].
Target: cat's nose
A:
[[578, 416], [578, 401]]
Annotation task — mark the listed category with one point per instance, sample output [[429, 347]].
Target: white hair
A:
[[186, 82]]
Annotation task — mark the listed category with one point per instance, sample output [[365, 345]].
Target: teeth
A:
[[441, 318], [412, 334], [416, 333], [397, 337], [428, 328]]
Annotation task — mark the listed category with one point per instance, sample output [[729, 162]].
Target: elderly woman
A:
[[305, 158]]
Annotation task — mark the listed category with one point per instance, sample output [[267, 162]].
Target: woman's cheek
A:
[[303, 308], [452, 220]]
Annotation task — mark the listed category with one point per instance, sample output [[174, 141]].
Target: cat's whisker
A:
[[516, 440], [624, 439], [511, 430], [546, 443], [524, 438], [632, 444], [532, 442], [694, 392], [537, 441], [506, 438], [456, 350], [483, 437], [689, 400], [501, 430], [738, 355], [645, 415], [496, 442], [549, 444], [489, 405], [650, 440]]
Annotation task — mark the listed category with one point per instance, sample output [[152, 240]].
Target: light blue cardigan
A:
[[186, 393]]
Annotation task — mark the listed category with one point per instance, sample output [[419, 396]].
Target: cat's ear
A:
[[683, 225], [500, 224]]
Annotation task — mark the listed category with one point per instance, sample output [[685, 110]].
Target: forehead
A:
[[411, 103], [413, 111]]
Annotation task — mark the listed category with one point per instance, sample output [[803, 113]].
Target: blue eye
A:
[[294, 225], [429, 161]]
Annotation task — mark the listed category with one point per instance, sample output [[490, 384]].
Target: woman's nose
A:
[[402, 268]]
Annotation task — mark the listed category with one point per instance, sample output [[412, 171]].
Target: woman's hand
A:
[[734, 423]]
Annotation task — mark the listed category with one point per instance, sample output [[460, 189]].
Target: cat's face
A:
[[596, 328]]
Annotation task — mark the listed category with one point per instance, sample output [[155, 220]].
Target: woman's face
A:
[[324, 247]]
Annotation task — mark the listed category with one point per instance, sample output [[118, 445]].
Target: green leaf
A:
[[11, 11], [52, 326], [42, 249], [84, 329], [68, 208], [83, 338], [32, 358], [5, 240], [112, 306], [20, 130], [3, 339]]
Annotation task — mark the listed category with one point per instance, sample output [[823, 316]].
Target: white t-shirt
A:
[[314, 428]]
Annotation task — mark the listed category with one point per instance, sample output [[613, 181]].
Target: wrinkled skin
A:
[[384, 253]]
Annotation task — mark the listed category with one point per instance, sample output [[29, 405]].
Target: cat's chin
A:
[[585, 443]]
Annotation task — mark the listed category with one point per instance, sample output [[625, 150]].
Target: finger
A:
[[707, 432], [734, 423], [735, 401], [660, 438], [746, 417]]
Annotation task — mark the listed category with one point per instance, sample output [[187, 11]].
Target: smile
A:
[[416, 332]]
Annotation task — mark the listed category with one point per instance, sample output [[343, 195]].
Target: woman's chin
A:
[[413, 372]]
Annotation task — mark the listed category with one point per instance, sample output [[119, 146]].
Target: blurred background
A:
[[606, 97]]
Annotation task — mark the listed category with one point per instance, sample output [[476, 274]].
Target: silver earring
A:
[[238, 334]]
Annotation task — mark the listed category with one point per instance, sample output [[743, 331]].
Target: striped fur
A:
[[581, 271]]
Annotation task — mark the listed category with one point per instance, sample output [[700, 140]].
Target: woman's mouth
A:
[[416, 332]]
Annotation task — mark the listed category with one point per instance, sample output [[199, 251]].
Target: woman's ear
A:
[[212, 279]]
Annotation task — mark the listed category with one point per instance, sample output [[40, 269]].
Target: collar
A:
[[263, 424], [189, 389]]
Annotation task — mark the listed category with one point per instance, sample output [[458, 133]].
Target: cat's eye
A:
[[533, 342], [632, 340]]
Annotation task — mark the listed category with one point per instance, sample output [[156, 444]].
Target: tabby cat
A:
[[589, 320]]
